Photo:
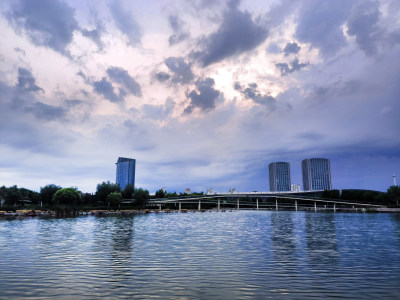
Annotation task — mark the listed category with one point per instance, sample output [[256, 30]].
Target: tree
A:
[[66, 196], [128, 191], [141, 196], [104, 189], [114, 199], [160, 194], [393, 194], [47, 192], [13, 195], [331, 194]]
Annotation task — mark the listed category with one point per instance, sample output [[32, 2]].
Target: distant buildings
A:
[[125, 171], [279, 177], [295, 187], [316, 174]]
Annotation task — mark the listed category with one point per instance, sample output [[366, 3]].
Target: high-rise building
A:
[[125, 171], [316, 174], [279, 177]]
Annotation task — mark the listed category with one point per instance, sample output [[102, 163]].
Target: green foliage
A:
[[331, 194], [365, 196], [128, 191], [393, 195], [114, 199], [66, 196], [141, 196], [47, 192], [104, 189], [160, 194]]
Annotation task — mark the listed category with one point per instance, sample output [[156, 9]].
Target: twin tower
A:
[[316, 175]]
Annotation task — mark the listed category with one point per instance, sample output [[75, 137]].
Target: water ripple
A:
[[246, 255]]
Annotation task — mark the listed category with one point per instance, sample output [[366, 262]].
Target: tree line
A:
[[52, 196], [391, 198]]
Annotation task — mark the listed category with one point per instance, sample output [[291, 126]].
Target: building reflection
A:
[[283, 237], [121, 247], [321, 239]]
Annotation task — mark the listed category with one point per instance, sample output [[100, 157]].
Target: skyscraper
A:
[[125, 171], [316, 174], [279, 177]]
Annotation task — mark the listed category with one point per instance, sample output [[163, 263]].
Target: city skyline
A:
[[203, 94]]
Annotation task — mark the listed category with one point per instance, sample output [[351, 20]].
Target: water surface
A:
[[231, 255]]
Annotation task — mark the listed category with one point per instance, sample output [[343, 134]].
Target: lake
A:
[[210, 255]]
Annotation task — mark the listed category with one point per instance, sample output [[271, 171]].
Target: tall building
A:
[[279, 177], [316, 174], [125, 171]]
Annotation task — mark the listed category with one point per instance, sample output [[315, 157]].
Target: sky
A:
[[202, 93]]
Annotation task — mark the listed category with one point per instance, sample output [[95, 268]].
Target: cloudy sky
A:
[[203, 93]]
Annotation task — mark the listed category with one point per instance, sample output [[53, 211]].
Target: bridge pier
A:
[[257, 203], [199, 205], [295, 204], [334, 207], [180, 206], [276, 204], [315, 206], [159, 206], [237, 204], [219, 204]]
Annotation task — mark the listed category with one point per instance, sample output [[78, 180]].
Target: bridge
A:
[[309, 200]]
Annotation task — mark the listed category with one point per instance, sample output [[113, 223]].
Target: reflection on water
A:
[[240, 255], [321, 239]]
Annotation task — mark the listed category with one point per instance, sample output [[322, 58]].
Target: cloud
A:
[[320, 23], [294, 66], [47, 112], [252, 93], [291, 48], [125, 22], [121, 76], [95, 34], [363, 24], [177, 26], [159, 112], [237, 33], [162, 76], [205, 96], [48, 23], [105, 88], [26, 82], [182, 72]]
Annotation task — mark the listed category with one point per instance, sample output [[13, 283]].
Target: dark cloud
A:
[[162, 76], [47, 112], [95, 35], [363, 24], [291, 48], [49, 23], [237, 33], [125, 22], [251, 92], [204, 97], [105, 88], [294, 66], [180, 34], [182, 72], [26, 82], [122, 77], [320, 23]]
